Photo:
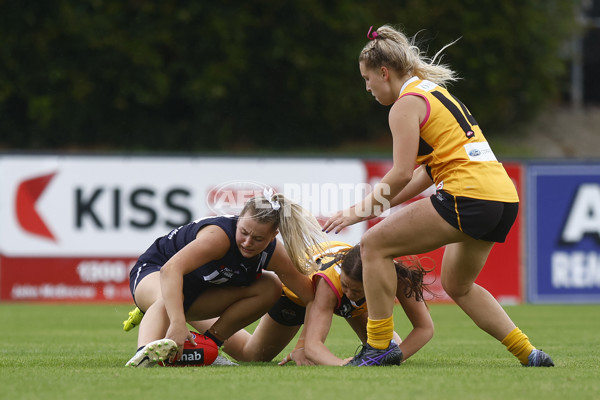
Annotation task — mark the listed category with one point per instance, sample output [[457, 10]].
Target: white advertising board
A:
[[115, 206]]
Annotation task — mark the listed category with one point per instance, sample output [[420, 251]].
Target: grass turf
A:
[[78, 352]]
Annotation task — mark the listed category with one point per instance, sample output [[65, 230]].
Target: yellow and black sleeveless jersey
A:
[[329, 271], [456, 154]]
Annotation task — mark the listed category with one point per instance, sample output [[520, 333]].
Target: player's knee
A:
[[367, 242], [256, 354], [454, 290], [369, 251], [367, 246]]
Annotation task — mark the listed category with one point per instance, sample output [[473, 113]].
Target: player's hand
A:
[[179, 333], [346, 361], [297, 356], [285, 360], [342, 219]]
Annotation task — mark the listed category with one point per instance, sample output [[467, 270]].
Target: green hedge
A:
[[172, 75]]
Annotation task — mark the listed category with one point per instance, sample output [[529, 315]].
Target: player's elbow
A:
[[427, 332]]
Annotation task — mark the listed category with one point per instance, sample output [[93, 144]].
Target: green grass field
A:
[[78, 352]]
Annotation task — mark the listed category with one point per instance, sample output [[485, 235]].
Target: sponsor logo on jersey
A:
[[426, 85], [479, 151]]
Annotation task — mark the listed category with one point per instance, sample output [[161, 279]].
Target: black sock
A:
[[140, 348], [214, 338]]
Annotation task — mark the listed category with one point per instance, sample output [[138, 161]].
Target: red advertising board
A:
[[73, 225], [65, 279], [501, 275]]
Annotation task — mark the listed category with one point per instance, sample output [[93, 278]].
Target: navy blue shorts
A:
[[287, 313], [138, 272], [192, 288], [480, 219]]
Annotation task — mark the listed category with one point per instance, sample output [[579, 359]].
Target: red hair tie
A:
[[372, 35]]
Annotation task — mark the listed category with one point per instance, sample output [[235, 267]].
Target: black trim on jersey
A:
[[469, 116], [458, 115], [323, 267], [424, 148]]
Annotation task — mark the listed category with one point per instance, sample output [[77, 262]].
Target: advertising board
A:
[[74, 225], [71, 225], [564, 233]]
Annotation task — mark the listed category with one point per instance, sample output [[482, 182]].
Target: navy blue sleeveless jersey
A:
[[231, 270]]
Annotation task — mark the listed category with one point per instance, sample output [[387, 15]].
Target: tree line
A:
[[188, 75]]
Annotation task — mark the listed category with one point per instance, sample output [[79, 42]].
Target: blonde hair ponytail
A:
[[301, 232], [392, 49]]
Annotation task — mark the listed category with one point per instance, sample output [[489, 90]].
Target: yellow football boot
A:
[[135, 317]]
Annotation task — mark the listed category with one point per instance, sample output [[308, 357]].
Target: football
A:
[[203, 353]]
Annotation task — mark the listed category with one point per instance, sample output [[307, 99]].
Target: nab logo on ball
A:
[[203, 353]]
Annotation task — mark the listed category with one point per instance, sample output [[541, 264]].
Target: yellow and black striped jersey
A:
[[452, 146], [329, 271]]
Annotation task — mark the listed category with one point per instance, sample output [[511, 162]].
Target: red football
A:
[[204, 353]]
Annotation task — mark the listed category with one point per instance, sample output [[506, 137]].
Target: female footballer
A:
[[475, 205], [213, 268]]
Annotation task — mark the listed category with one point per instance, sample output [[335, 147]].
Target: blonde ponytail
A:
[[301, 233], [392, 49]]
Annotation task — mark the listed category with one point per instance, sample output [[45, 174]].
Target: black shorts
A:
[[192, 287], [287, 313], [480, 219]]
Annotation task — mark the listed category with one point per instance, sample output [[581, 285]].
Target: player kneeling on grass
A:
[[345, 296], [213, 268], [339, 290]]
